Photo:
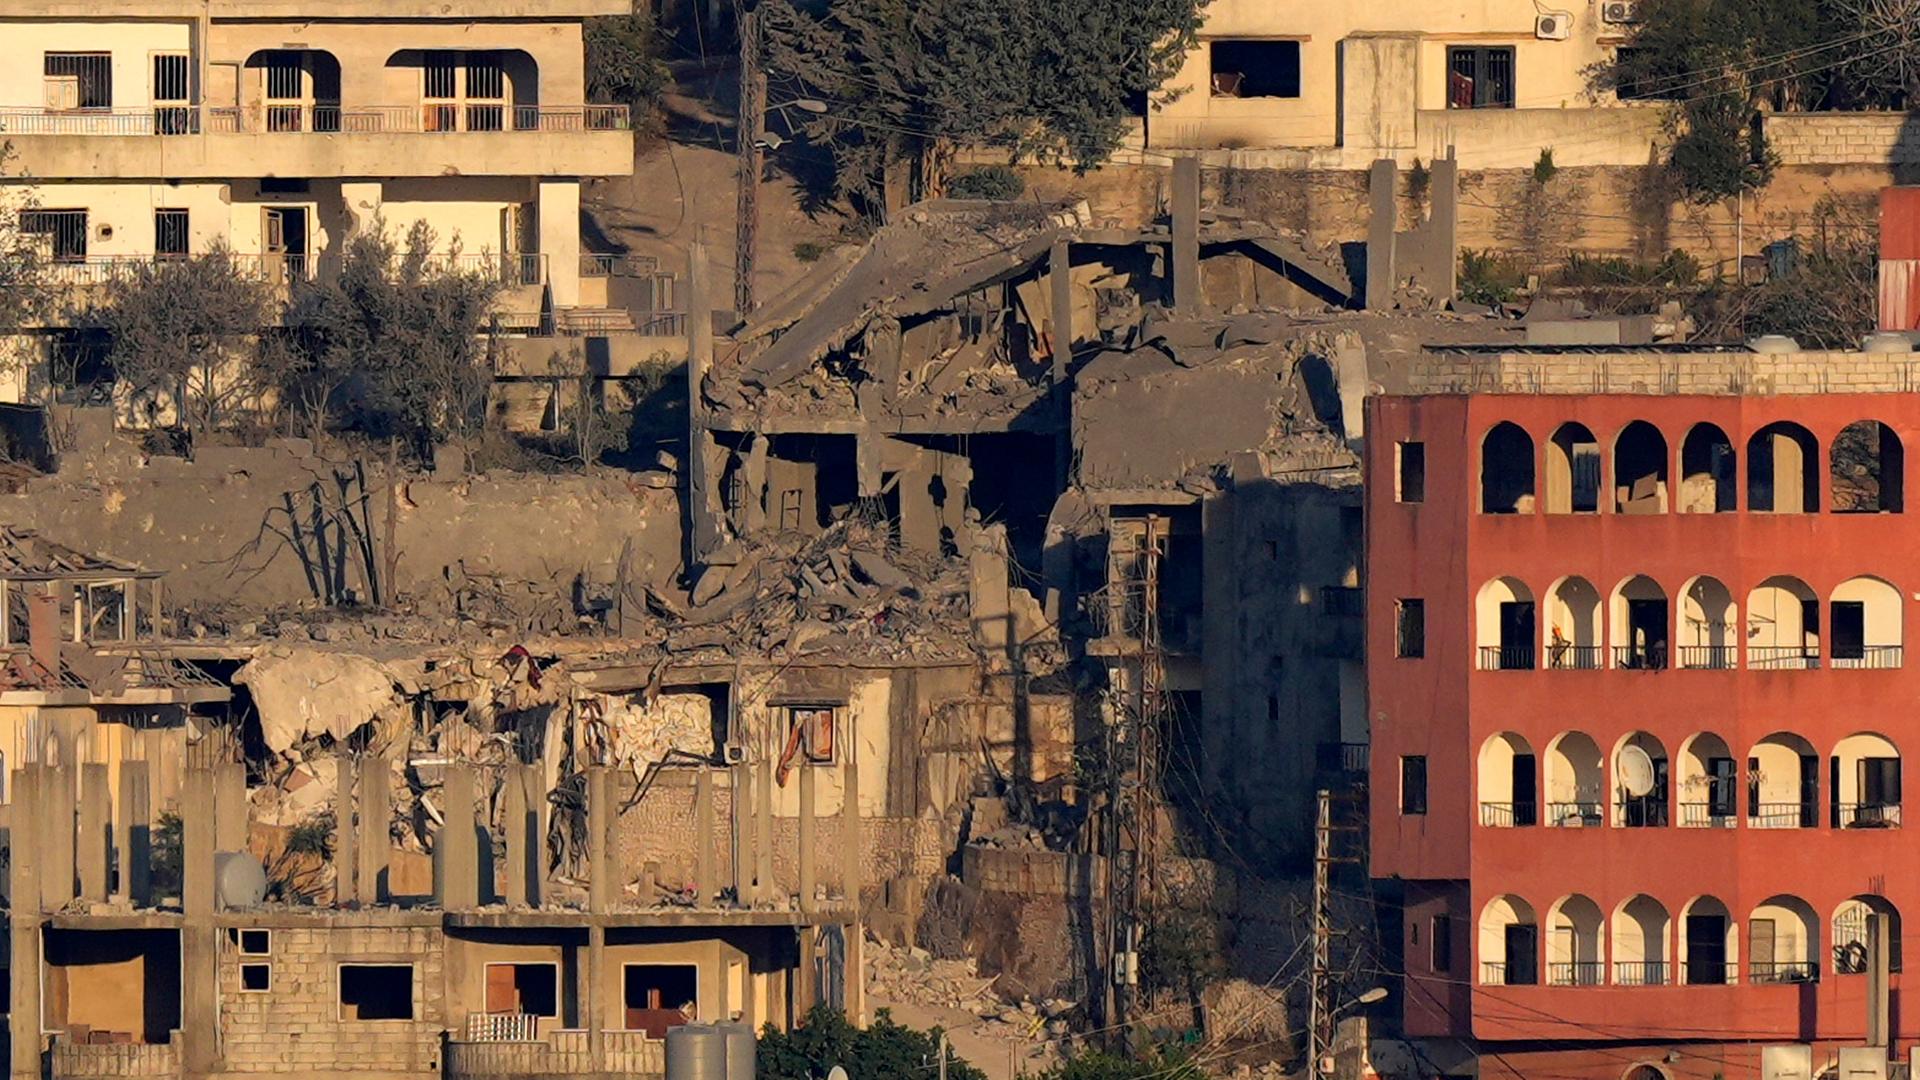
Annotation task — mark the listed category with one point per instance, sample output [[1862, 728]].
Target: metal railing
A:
[[1701, 973], [1576, 973], [1782, 657], [1507, 815], [1640, 657], [1784, 971], [1871, 656], [158, 120], [1573, 657], [1709, 657], [502, 1027], [596, 264], [1640, 972], [1701, 815], [99, 269], [1793, 815], [662, 324], [1642, 813], [1500, 973], [1869, 815], [1341, 757], [323, 119], [512, 268], [1574, 815], [1506, 658]]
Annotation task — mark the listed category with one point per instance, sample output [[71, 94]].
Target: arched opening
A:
[[1575, 782], [1707, 472], [1640, 926], [1865, 629], [474, 90], [1709, 783], [1852, 948], [1506, 777], [292, 90], [1783, 470], [1783, 783], [1709, 943], [1573, 471], [1869, 469], [1640, 470], [1783, 941], [1506, 470], [1783, 625], [1576, 943], [1865, 782], [1645, 1071], [1504, 625], [1640, 781], [1509, 943], [1708, 622], [1639, 624], [1573, 625]]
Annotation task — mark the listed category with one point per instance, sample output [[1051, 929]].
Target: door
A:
[[1524, 793], [1706, 949], [1516, 634], [1523, 954], [1879, 790], [1849, 630], [1760, 937], [1809, 791], [1721, 781], [1647, 632], [285, 243], [503, 996]]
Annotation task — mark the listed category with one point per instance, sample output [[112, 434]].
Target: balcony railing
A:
[[98, 269], [1642, 813], [1784, 971], [1640, 972], [1574, 815], [1506, 658], [513, 268], [1782, 657], [1782, 815], [1349, 758], [89, 1061], [1709, 657], [1500, 973], [1507, 815], [1870, 656], [1577, 973], [1640, 657], [1701, 815], [1573, 657], [323, 119], [1705, 973], [598, 264], [1869, 815], [562, 1053]]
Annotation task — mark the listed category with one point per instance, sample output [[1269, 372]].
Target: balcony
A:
[[1577, 973], [1708, 657], [1507, 815], [1791, 971], [1506, 657], [564, 1053], [1640, 973], [513, 270], [318, 141], [113, 1061]]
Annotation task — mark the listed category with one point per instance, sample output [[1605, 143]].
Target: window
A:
[[1413, 784], [486, 92], [659, 996], [171, 116], [1410, 629], [170, 234], [526, 989], [1343, 601], [1410, 465], [1480, 78], [1849, 641], [256, 942], [376, 991], [286, 91], [1266, 69], [65, 232], [77, 80], [256, 978], [1440, 941], [809, 738]]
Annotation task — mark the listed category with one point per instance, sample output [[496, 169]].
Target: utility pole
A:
[[1134, 804], [749, 126], [1319, 1009]]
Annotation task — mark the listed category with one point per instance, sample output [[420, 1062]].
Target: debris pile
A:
[[914, 976]]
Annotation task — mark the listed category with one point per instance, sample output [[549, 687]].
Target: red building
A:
[[1639, 702]]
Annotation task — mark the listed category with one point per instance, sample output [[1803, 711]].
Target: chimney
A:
[[43, 630]]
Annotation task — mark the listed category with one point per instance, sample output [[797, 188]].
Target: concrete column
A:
[[808, 837], [459, 862], [519, 866], [703, 876], [601, 886], [346, 835], [197, 833], [376, 784], [765, 888], [1188, 298], [133, 834], [56, 800], [743, 833], [850, 866], [23, 923], [560, 239], [95, 816], [1381, 234], [198, 973], [230, 806], [533, 787], [596, 998]]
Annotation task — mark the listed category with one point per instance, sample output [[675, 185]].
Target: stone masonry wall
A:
[[1840, 138], [1721, 374]]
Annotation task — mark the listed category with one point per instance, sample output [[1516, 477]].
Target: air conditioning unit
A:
[[1620, 12], [1553, 26]]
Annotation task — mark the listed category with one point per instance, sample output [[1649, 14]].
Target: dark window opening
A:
[[1256, 69], [529, 989], [79, 80], [659, 996], [1441, 944], [65, 232], [1868, 469], [1506, 471], [1410, 629], [376, 991], [1523, 955], [1480, 78], [256, 942], [1413, 784], [170, 234], [171, 115], [256, 978], [1849, 630], [1412, 465]]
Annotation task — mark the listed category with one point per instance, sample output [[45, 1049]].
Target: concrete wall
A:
[[1869, 138]]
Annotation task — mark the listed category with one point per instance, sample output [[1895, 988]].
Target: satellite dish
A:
[[836, 1073], [1636, 771]]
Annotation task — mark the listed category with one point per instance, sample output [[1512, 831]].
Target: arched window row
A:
[[1637, 471], [1780, 782], [1640, 941], [1779, 624]]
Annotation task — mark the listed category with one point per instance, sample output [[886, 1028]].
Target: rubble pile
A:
[[914, 976]]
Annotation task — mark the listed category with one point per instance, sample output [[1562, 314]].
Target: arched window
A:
[[1869, 469], [1573, 625], [1640, 470], [1640, 782], [1576, 943], [1509, 943], [1709, 783], [1783, 783], [1504, 625], [1640, 942], [1639, 624], [1852, 935], [1783, 941], [1709, 943], [1573, 470], [1506, 470], [1575, 782], [1708, 626], [1707, 472], [1865, 630], [1506, 778], [1783, 625], [1866, 782], [1783, 470]]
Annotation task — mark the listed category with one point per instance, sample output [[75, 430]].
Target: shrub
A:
[[996, 182]]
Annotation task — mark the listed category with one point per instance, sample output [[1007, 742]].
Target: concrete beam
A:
[[376, 796], [96, 811], [459, 863], [1188, 297], [133, 833]]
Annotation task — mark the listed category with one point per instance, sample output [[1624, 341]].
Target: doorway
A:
[[284, 243]]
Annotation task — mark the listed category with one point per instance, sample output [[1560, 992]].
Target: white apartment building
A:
[[154, 128]]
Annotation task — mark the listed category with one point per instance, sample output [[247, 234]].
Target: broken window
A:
[[659, 996], [1573, 471], [524, 989], [1640, 470], [78, 80], [1868, 466], [1441, 943], [1783, 470], [1413, 784], [16, 613], [1410, 464], [1706, 471], [1256, 68], [103, 611], [1410, 628], [1480, 78], [376, 991]]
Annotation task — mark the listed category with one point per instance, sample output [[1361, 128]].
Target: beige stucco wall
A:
[[131, 43]]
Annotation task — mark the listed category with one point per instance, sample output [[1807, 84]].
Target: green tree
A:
[[907, 81], [24, 290], [180, 328], [623, 63], [884, 1049]]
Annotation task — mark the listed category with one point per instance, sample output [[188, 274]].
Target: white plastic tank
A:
[[1774, 344], [1887, 342], [696, 1052], [740, 1050]]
